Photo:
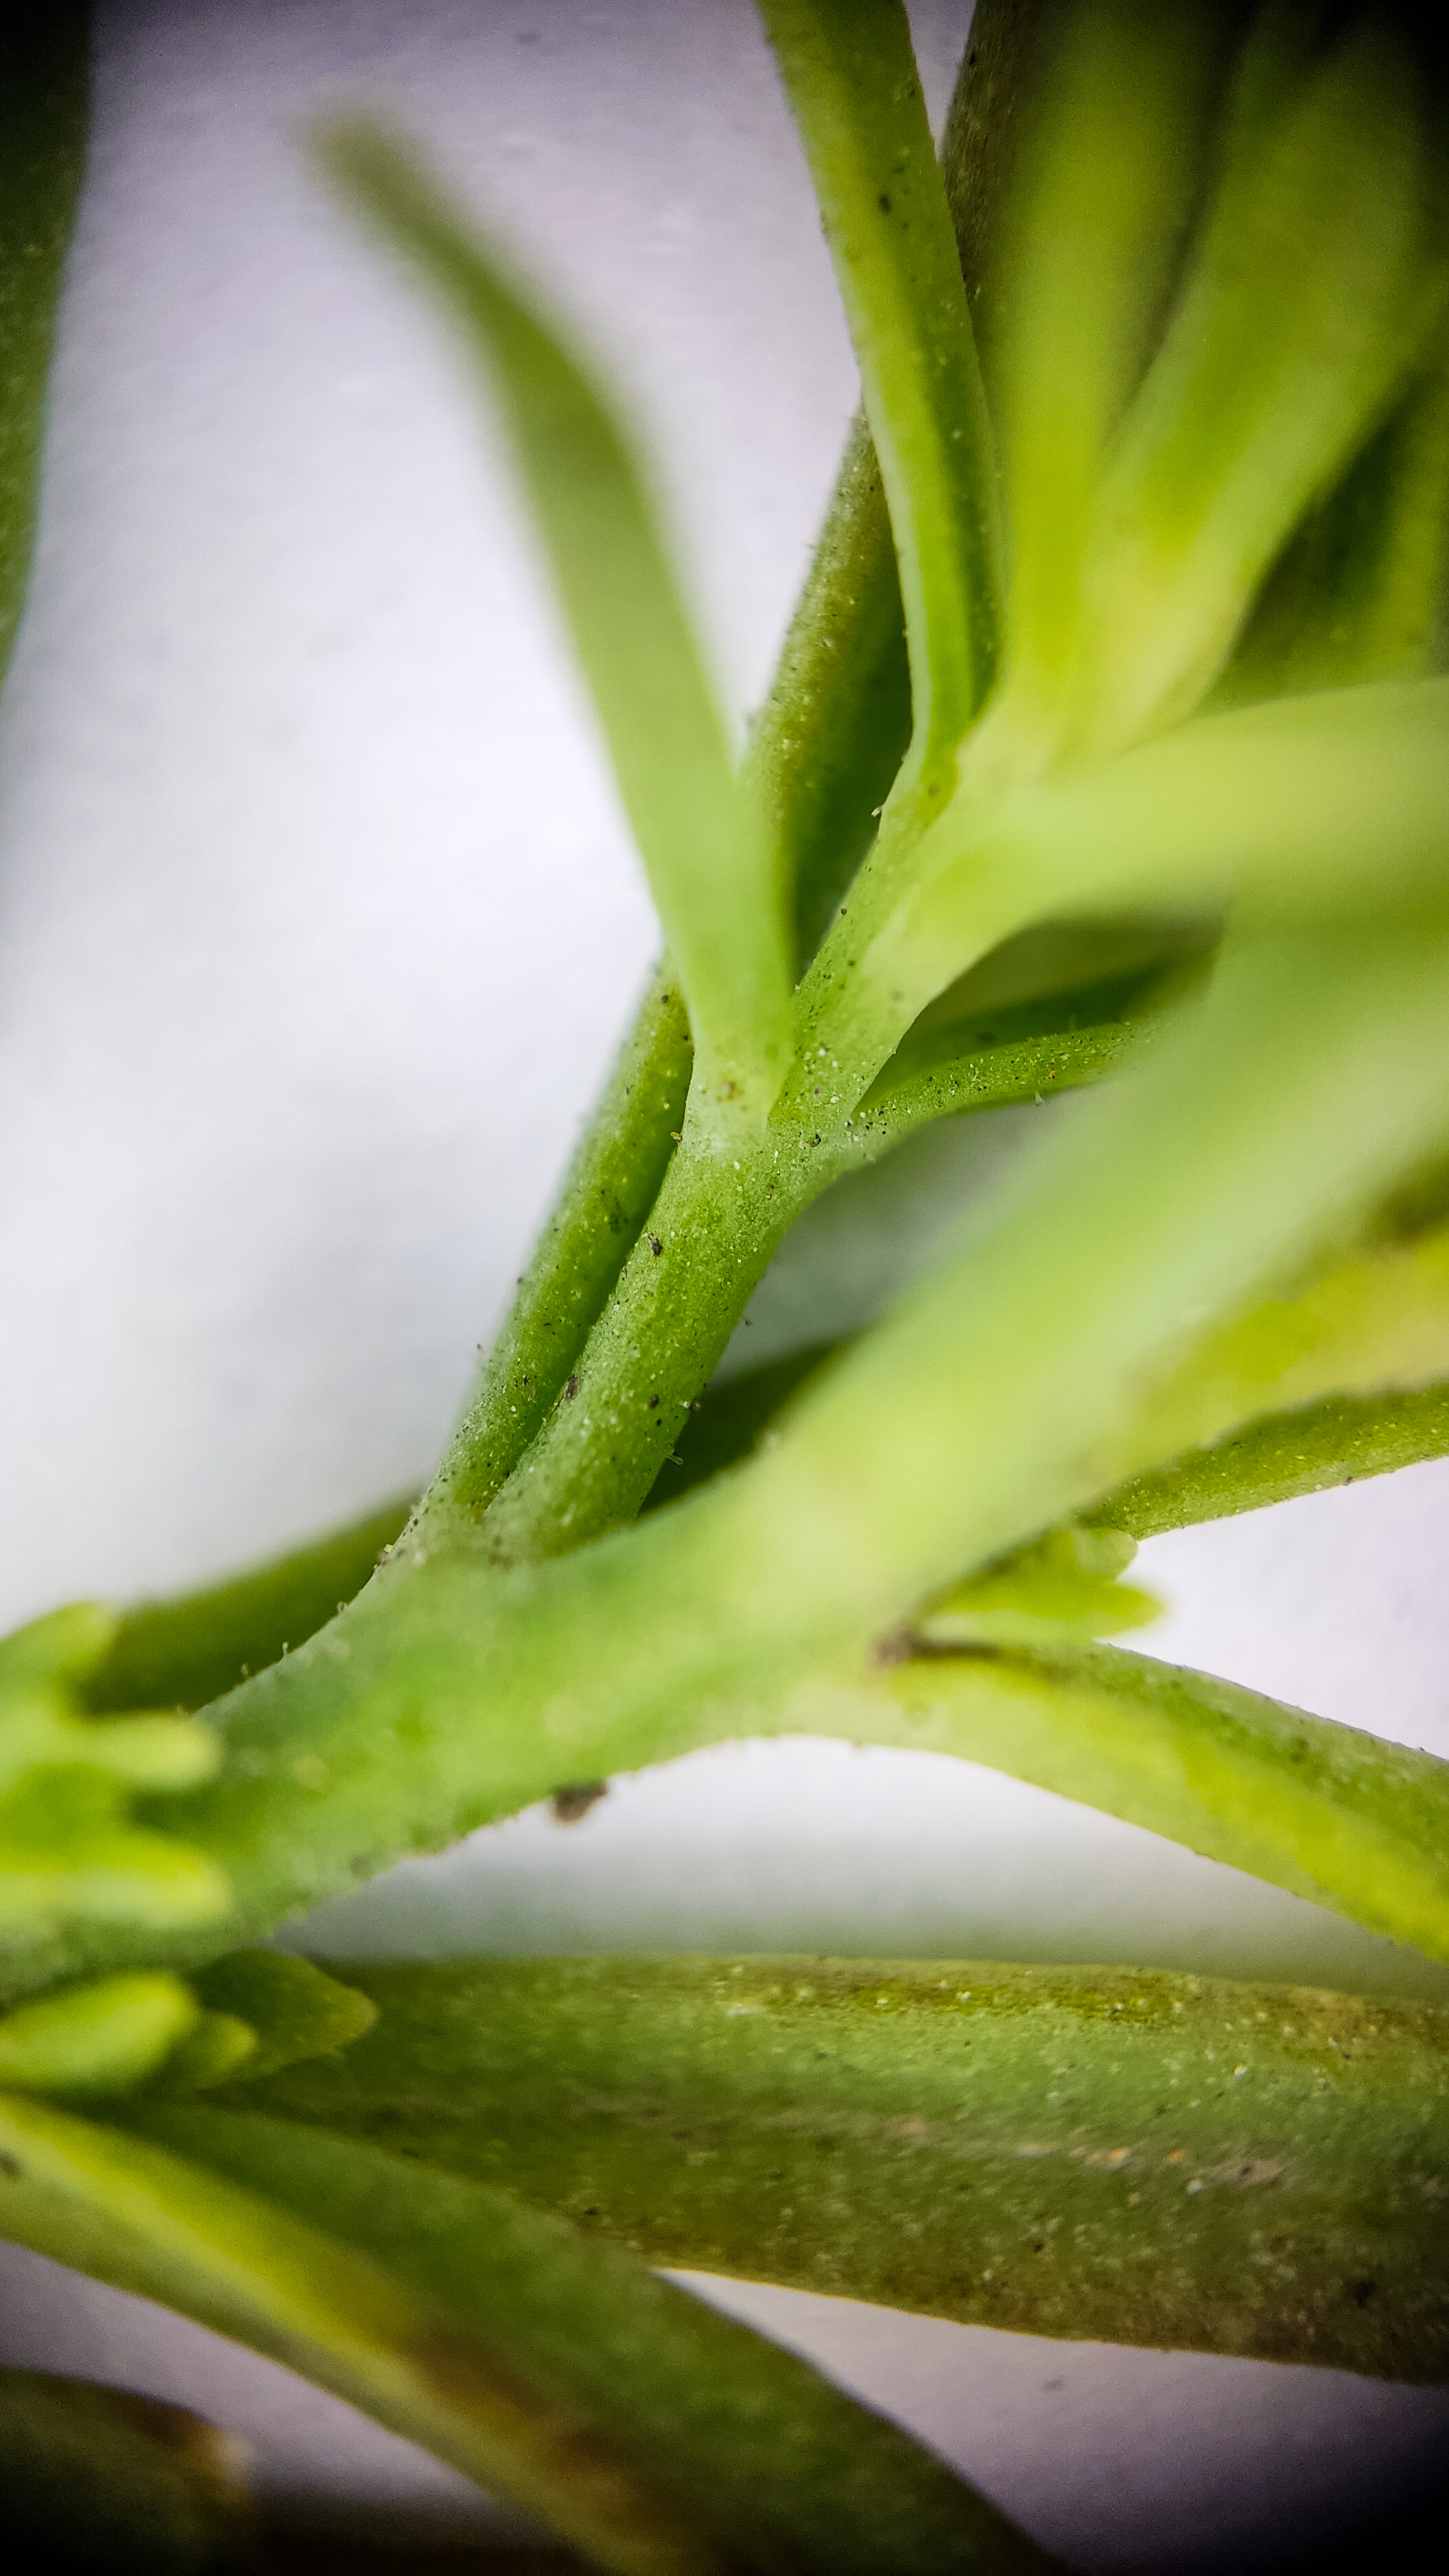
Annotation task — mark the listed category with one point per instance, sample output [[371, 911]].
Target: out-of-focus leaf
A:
[[709, 856], [69, 1850], [1357, 1355], [856, 98], [1065, 1584], [216, 2050], [1363, 591], [652, 2432], [44, 105], [1303, 806], [1104, 186], [99, 2038], [94, 2480], [1313, 295], [1103, 2152]]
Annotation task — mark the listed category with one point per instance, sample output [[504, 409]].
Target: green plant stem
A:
[[616, 1174], [44, 112], [711, 1235], [448, 1693], [711, 864], [714, 1229], [1091, 2152], [827, 744]]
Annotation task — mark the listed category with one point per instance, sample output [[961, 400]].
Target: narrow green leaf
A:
[[709, 857], [44, 108], [1362, 593], [1331, 1814], [1100, 2152], [938, 1073], [1104, 186], [856, 98], [1358, 1357], [1339, 1441], [1370, 1326], [653, 2433], [1309, 302]]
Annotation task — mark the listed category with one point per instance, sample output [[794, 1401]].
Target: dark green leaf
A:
[[1101, 2152], [44, 106], [94, 2480], [655, 2434]]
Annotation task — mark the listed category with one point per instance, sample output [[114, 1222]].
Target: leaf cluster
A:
[[1108, 753]]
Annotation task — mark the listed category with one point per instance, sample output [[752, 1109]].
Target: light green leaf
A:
[[1312, 297], [1064, 1584], [856, 98], [1358, 1356], [1103, 190], [704, 842], [1304, 806], [653, 2433], [1334, 1815], [100, 2038], [70, 1856], [1080, 2151], [69, 1851]]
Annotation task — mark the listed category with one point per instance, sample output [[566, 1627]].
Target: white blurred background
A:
[[317, 924]]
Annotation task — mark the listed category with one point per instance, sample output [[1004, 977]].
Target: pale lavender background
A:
[[316, 923]]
